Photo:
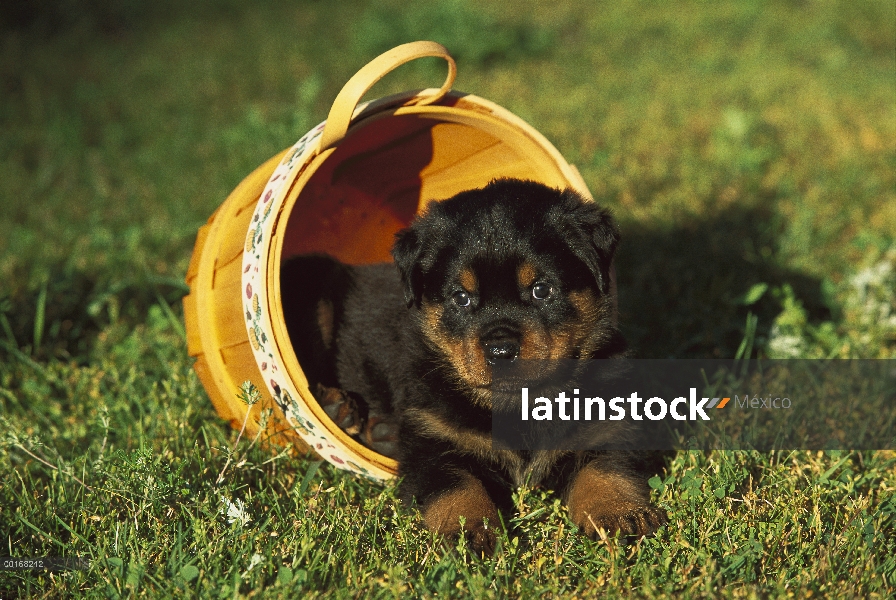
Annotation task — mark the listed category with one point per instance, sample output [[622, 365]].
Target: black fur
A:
[[418, 360]]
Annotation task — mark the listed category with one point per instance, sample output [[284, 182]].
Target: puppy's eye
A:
[[462, 299], [542, 291]]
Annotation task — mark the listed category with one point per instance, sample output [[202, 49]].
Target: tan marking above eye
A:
[[468, 280], [526, 274]]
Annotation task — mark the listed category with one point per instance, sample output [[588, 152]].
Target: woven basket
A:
[[345, 188]]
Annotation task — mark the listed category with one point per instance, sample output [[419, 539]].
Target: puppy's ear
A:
[[592, 236], [407, 251]]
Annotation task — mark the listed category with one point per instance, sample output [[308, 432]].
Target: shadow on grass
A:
[[681, 287], [62, 314]]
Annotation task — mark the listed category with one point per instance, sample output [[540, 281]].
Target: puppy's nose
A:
[[503, 350]]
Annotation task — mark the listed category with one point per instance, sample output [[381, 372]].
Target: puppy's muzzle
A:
[[501, 343]]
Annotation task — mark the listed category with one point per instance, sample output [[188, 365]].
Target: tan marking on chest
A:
[[479, 444]]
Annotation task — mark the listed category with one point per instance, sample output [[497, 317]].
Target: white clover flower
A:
[[235, 511]]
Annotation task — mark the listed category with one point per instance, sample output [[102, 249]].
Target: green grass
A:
[[747, 149]]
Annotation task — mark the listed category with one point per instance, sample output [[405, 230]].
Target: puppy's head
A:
[[513, 270]]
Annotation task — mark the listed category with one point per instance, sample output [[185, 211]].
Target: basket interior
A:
[[386, 170]]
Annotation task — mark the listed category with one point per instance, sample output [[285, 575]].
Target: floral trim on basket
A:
[[258, 321]]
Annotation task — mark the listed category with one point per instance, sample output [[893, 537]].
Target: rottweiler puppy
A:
[[401, 355]]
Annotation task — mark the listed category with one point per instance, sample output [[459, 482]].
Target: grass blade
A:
[[309, 475], [40, 315], [175, 323]]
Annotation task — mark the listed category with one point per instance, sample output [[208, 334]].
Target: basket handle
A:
[[344, 105]]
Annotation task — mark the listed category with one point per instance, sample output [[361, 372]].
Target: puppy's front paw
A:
[[481, 538], [470, 501], [613, 501], [627, 519]]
